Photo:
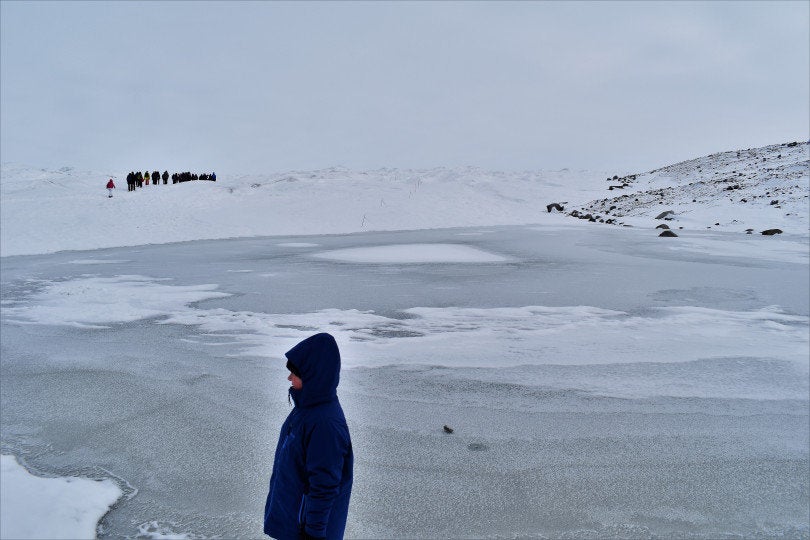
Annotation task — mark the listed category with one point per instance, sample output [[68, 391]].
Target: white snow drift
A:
[[44, 508]]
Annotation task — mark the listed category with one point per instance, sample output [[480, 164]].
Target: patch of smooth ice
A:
[[93, 301], [759, 247], [95, 261], [412, 254], [36, 507], [297, 244]]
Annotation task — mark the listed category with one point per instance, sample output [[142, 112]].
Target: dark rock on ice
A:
[[663, 226], [771, 232], [662, 215], [554, 206], [448, 429], [668, 233]]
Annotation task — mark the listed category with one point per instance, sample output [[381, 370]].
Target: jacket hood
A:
[[317, 360]]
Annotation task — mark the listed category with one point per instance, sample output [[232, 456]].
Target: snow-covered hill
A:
[[758, 188], [43, 211]]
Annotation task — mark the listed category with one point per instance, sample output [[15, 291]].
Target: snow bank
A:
[[35, 507]]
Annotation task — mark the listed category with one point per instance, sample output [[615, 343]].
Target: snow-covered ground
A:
[[51, 210], [45, 211], [603, 382]]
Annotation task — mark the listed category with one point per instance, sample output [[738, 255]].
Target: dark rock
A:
[[448, 429], [554, 206], [615, 177], [574, 213], [668, 234], [743, 200], [612, 208], [791, 145], [773, 202], [662, 215], [663, 226], [771, 232]]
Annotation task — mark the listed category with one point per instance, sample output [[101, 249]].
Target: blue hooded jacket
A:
[[313, 466]]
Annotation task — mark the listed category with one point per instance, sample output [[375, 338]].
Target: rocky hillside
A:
[[742, 190]]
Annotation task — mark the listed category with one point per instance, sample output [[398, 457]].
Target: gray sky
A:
[[273, 86]]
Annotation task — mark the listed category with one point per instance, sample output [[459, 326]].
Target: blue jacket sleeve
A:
[[325, 453]]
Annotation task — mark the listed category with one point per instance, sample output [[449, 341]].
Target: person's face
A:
[[295, 381]]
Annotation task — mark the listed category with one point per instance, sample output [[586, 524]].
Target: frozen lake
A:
[[602, 382]]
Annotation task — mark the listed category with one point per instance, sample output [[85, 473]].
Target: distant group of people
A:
[[139, 179]]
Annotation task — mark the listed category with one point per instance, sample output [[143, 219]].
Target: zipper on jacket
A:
[[301, 510]]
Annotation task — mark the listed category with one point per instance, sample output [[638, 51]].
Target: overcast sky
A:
[[275, 86]]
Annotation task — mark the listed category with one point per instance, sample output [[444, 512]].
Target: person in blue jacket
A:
[[313, 467]]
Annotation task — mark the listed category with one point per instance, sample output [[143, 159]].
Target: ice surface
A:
[[36, 507], [412, 254], [600, 384]]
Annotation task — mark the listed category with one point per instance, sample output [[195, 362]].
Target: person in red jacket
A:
[[110, 187]]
